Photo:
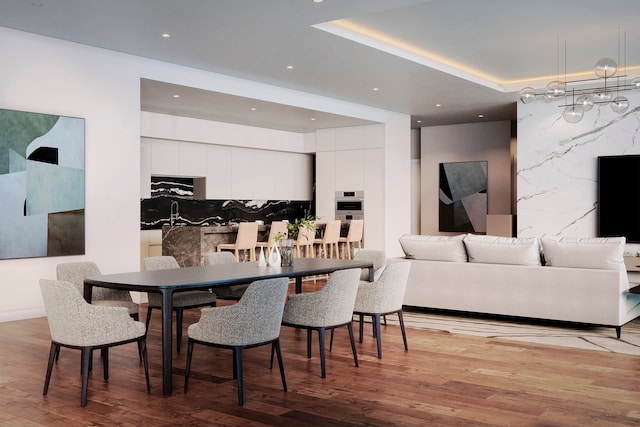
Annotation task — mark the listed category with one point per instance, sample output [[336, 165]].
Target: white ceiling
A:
[[470, 56]]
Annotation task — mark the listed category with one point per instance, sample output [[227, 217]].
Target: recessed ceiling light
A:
[[481, 116], [253, 108], [289, 67], [176, 96], [166, 35], [438, 105], [419, 121], [313, 118], [318, 1], [375, 88]]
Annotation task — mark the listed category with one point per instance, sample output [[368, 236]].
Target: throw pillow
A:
[[595, 252], [503, 250], [434, 248]]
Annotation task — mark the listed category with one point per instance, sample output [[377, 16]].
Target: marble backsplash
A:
[[175, 211]]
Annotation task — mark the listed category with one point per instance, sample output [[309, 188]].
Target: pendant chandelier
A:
[[577, 101]]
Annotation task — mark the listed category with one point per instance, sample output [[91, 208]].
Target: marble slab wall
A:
[[557, 165]]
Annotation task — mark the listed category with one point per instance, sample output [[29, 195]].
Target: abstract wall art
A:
[[42, 185], [463, 197]]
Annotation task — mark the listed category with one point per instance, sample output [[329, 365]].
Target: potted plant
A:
[[285, 242], [308, 221]]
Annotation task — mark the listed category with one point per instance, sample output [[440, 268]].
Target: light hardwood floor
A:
[[443, 380]]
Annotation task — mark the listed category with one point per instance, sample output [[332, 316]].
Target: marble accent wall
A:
[[557, 165]]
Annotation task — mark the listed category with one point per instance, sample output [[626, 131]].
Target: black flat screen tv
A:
[[618, 208]]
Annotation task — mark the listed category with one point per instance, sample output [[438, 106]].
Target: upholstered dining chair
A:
[[303, 246], [328, 244], [253, 321], [233, 292], [181, 300], [326, 309], [382, 297], [353, 238], [246, 239], [76, 324], [375, 256], [277, 227], [76, 272]]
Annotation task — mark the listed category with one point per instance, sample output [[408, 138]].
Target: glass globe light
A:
[[602, 97], [555, 89], [572, 113], [635, 83], [585, 102], [527, 95], [620, 104], [606, 67]]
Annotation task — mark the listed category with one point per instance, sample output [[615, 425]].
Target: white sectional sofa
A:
[[563, 279]]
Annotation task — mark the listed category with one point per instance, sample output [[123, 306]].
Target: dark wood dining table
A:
[[166, 282]]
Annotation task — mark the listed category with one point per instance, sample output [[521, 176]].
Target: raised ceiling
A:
[[469, 56]]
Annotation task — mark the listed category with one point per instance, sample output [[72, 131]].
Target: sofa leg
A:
[[618, 331]]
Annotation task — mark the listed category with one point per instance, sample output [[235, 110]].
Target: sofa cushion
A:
[[434, 248], [598, 252], [503, 250]]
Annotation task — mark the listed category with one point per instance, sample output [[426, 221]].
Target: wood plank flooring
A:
[[443, 380]]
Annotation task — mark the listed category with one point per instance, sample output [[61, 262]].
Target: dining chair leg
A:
[[179, 316], [404, 333], [237, 361], [276, 345], [86, 357], [353, 343], [53, 353], [308, 343], [142, 350], [360, 327], [323, 369], [187, 368], [105, 362], [376, 330]]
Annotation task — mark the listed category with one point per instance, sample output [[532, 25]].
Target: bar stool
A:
[[246, 239], [329, 240], [276, 228], [304, 243], [354, 236]]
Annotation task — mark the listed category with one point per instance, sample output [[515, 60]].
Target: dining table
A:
[[167, 282]]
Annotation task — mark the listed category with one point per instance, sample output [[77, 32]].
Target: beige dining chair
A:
[[277, 227], [353, 238], [76, 272], [181, 300], [328, 243], [329, 308], [233, 292], [246, 240], [76, 324], [253, 321], [382, 297], [303, 246]]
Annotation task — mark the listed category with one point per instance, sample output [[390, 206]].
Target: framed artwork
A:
[[42, 185], [463, 197]]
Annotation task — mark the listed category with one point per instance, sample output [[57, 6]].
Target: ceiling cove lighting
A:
[[600, 91]]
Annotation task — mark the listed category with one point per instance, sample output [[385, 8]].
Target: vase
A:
[[262, 262], [286, 252], [274, 258]]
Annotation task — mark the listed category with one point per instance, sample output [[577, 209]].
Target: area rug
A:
[[551, 333]]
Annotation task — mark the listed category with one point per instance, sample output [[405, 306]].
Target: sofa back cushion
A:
[[599, 252], [503, 250], [434, 248]]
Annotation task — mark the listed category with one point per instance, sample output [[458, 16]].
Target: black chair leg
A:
[[148, 320], [187, 369], [331, 341], [404, 333], [53, 354], [376, 330], [142, 350], [86, 358], [105, 362], [178, 328], [237, 359], [276, 345], [323, 370], [353, 343], [361, 327], [308, 343]]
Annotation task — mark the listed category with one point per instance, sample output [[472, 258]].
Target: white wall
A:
[[460, 143], [45, 75]]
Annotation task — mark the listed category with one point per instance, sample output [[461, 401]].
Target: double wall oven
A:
[[349, 205]]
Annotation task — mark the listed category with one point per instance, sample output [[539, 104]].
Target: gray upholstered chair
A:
[[253, 321], [329, 308], [377, 257], [233, 292], [181, 300], [76, 272], [382, 297], [74, 323]]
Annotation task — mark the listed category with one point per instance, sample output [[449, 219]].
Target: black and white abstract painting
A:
[[463, 197]]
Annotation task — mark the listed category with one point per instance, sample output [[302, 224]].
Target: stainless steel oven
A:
[[349, 205]]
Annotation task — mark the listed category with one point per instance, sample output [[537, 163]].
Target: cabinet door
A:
[[325, 185], [242, 173], [218, 172]]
